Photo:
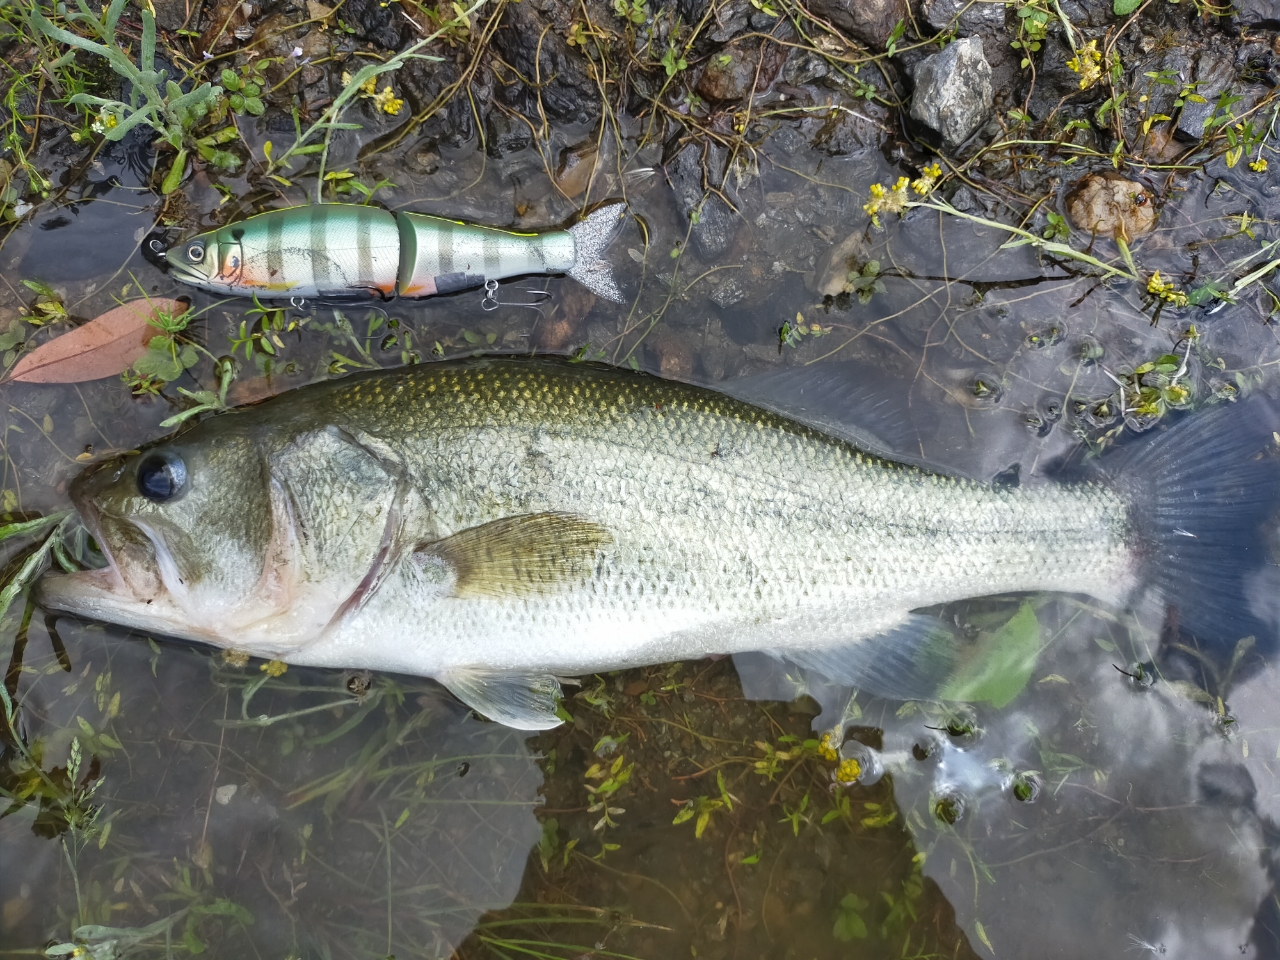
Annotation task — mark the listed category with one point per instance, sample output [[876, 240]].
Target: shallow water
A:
[[330, 814]]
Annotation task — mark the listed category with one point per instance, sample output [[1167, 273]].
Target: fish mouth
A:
[[106, 595], [186, 273], [91, 517], [115, 592]]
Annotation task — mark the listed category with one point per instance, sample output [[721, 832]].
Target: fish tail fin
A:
[[591, 235], [1204, 500]]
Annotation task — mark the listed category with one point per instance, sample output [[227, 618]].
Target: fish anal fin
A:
[[519, 700], [521, 556], [918, 658], [910, 660]]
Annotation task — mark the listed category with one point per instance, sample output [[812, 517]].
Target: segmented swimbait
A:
[[342, 250]]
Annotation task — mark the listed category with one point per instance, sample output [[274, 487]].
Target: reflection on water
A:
[[322, 814], [376, 816], [1105, 808]]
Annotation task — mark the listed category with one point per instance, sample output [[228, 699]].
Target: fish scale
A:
[[787, 519]]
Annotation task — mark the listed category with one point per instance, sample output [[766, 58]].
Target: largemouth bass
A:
[[498, 523], [345, 250]]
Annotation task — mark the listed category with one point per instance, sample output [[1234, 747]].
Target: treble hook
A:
[[491, 302]]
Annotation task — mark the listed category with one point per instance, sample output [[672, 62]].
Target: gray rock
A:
[[174, 15], [857, 129], [717, 224], [730, 20], [940, 14], [1215, 72], [1257, 13], [525, 41], [871, 21], [1089, 13], [377, 22], [727, 293], [740, 69], [953, 93], [504, 135], [831, 272]]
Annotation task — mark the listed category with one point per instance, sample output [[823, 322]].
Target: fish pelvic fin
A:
[[522, 701], [590, 236], [1203, 494]]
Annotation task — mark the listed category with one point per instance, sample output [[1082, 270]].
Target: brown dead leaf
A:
[[103, 347]]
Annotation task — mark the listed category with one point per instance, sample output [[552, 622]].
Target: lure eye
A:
[[195, 252], [162, 477]]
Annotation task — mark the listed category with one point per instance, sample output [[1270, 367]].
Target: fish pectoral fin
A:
[[525, 701], [912, 660], [521, 556]]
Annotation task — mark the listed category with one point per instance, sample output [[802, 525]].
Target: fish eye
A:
[[195, 251], [162, 477]]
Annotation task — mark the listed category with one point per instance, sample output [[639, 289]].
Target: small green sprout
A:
[[849, 924]]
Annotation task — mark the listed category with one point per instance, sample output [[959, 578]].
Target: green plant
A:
[[244, 87], [703, 807], [673, 62], [1056, 227], [635, 11], [353, 87], [168, 354], [612, 779], [797, 815], [790, 334], [849, 924], [1033, 26], [154, 99], [345, 183], [891, 45], [864, 283], [205, 400]]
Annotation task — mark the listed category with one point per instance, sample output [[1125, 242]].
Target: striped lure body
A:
[[344, 251]]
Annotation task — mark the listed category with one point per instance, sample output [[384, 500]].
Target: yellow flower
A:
[[1088, 63], [274, 668], [927, 179], [849, 770], [1165, 290], [1259, 165], [369, 88], [891, 200], [235, 658], [828, 746], [387, 101]]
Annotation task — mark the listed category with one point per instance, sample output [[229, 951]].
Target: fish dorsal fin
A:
[[519, 700], [850, 400], [521, 556]]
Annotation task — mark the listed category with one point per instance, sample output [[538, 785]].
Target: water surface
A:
[[192, 804]]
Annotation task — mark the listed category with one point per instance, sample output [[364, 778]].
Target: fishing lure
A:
[[345, 250]]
